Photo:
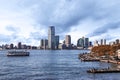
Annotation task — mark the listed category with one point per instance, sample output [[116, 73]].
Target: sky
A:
[[27, 21]]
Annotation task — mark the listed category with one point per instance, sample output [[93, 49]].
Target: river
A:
[[51, 65]]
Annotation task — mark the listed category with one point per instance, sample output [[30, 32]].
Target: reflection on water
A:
[[51, 65]]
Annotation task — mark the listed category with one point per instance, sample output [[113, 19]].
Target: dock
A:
[[105, 70], [87, 57]]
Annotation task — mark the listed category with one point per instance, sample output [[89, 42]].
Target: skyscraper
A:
[[117, 41], [19, 45], [80, 43], [68, 39], [56, 42], [86, 42], [83, 42], [101, 42], [51, 37], [41, 43], [104, 41]]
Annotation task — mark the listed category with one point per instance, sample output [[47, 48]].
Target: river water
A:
[[51, 65]]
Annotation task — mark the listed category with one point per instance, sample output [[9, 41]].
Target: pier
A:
[[105, 70], [88, 57]]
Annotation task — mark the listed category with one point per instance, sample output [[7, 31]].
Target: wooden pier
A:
[[105, 70], [87, 57]]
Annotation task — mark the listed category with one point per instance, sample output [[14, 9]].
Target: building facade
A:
[[86, 42], [80, 43], [19, 45], [83, 43], [57, 42], [68, 39], [51, 37]]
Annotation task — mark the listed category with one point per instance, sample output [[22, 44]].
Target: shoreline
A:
[[89, 57]]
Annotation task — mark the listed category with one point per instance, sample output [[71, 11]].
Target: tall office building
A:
[[51, 37], [56, 42], [83, 42], [80, 43], [117, 41], [96, 43], [45, 44], [104, 41], [86, 42], [101, 42], [19, 45], [68, 39], [41, 43], [11, 46]]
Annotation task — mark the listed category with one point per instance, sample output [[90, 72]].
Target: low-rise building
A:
[[118, 53]]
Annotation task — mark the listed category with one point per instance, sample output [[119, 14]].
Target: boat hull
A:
[[18, 53]]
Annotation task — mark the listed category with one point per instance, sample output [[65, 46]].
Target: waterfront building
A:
[[83, 43], [117, 41], [51, 37], [24, 46], [111, 43], [19, 45], [90, 44], [96, 43], [41, 43], [118, 53], [101, 42], [68, 42], [104, 41], [56, 42], [86, 42], [68, 39], [45, 45], [11, 46], [80, 43]]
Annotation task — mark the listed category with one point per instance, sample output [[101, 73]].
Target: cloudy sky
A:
[[27, 21]]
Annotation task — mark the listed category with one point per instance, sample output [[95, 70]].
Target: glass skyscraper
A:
[[51, 37]]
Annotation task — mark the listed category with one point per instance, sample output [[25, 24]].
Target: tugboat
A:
[[18, 53]]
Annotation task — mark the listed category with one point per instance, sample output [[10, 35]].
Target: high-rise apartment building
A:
[[19, 45], [51, 37], [86, 42], [56, 42], [80, 43], [103, 42], [83, 42], [96, 43], [68, 39], [41, 43], [11, 46], [117, 41]]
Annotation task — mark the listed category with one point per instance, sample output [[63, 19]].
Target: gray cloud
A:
[[104, 29], [12, 29], [61, 13], [64, 14], [37, 36]]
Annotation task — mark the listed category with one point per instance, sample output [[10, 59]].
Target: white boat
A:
[[18, 53]]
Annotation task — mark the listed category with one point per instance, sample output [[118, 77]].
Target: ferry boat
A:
[[18, 53]]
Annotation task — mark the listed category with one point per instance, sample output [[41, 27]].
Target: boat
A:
[[18, 53]]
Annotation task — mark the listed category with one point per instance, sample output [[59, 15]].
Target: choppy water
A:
[[51, 65]]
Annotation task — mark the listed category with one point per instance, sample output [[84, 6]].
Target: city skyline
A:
[[28, 21]]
